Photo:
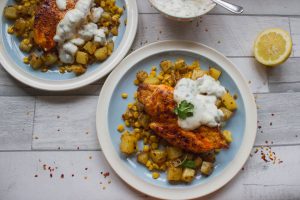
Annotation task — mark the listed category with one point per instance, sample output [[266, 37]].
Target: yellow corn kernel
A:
[[153, 138], [138, 136], [10, 30], [146, 148], [26, 60], [153, 68], [155, 175], [150, 167], [145, 140], [129, 106], [137, 130], [154, 146], [160, 77], [127, 123], [136, 82], [153, 73], [148, 163], [134, 108], [137, 124], [124, 95], [120, 128], [163, 167], [135, 95], [155, 166], [227, 136], [136, 115]]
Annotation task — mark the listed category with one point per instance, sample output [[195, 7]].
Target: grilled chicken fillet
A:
[[46, 20], [159, 104]]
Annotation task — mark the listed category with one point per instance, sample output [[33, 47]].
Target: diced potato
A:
[[213, 72], [198, 73], [101, 54], [110, 47], [50, 59], [158, 156], [207, 168], [128, 144], [174, 174], [82, 57], [229, 101], [227, 135], [114, 31], [195, 65], [143, 157], [152, 81], [90, 47], [198, 162], [166, 65], [35, 61], [173, 152], [180, 63], [227, 113], [10, 12], [188, 175], [77, 69]]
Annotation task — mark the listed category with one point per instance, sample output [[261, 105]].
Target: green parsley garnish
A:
[[184, 110], [189, 164]]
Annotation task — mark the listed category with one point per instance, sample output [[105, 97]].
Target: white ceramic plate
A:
[[111, 106], [11, 57]]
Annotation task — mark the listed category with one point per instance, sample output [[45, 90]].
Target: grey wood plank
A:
[[295, 32], [278, 116], [253, 7], [65, 122], [69, 130], [258, 180], [16, 122], [231, 35]]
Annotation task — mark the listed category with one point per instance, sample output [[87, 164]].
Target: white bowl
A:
[[208, 7]]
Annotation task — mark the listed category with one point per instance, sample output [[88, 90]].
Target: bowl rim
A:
[[74, 83], [124, 171], [182, 18]]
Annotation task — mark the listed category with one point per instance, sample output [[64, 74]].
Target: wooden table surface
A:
[[42, 129]]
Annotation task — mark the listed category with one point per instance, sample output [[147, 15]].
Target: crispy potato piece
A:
[[158, 156], [228, 136], [188, 175], [128, 144], [152, 81], [207, 168], [213, 72], [82, 57], [173, 152], [174, 174], [142, 158], [101, 54], [227, 113], [229, 101]]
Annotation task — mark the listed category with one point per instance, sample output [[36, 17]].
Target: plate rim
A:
[[71, 84], [124, 172]]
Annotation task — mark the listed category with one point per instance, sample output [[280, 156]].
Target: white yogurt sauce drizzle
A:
[[72, 31], [202, 93], [61, 4], [182, 8]]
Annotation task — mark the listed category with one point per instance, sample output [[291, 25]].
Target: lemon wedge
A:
[[273, 46]]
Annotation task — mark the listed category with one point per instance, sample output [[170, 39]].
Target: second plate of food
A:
[[64, 45], [176, 120]]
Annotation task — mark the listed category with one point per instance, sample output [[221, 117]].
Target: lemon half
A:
[[273, 46]]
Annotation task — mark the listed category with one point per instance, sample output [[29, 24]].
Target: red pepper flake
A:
[[58, 148], [206, 30], [100, 183], [62, 176], [36, 176], [280, 161], [106, 174], [87, 132], [264, 158]]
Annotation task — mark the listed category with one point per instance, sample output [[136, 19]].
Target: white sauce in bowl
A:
[[202, 93], [183, 8]]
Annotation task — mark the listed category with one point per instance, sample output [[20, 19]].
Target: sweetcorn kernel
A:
[[148, 163], [154, 146], [155, 175], [137, 124], [146, 148], [120, 128], [124, 95], [153, 138], [136, 82], [26, 60], [127, 123], [136, 115]]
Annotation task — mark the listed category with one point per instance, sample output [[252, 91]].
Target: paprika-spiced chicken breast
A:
[[159, 104], [47, 17]]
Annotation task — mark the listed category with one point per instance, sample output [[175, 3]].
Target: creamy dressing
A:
[[61, 4], [202, 93], [182, 8], [72, 31]]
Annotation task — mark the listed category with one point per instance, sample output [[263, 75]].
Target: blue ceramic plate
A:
[[111, 106], [12, 58]]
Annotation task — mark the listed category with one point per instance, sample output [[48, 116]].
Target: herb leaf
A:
[[184, 110], [189, 164]]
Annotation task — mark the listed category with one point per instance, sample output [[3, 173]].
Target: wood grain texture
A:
[[69, 130], [253, 7], [258, 180], [231, 35], [295, 32], [278, 116], [65, 122], [16, 122]]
